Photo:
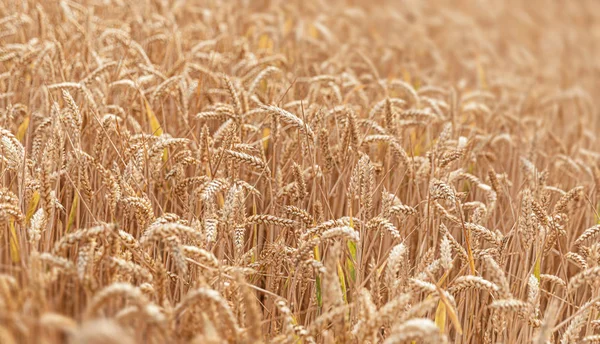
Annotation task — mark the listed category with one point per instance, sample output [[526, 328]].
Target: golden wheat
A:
[[299, 171]]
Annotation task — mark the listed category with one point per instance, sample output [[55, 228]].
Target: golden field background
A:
[[299, 171]]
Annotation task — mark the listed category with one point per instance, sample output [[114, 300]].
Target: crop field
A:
[[316, 171]]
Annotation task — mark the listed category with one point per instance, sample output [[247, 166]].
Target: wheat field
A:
[[340, 171]]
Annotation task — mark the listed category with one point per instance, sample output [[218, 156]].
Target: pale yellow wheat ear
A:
[[100, 331]]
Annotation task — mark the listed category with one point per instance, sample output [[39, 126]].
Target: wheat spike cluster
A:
[[270, 171]]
